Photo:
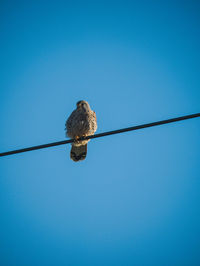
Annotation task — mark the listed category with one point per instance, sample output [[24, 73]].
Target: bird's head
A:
[[82, 105]]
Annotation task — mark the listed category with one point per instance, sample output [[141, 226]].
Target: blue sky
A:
[[135, 199]]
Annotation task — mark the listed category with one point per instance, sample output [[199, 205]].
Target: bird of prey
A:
[[81, 123]]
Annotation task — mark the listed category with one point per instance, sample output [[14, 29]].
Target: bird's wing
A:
[[70, 121], [94, 115]]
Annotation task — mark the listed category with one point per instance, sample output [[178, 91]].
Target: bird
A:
[[81, 123]]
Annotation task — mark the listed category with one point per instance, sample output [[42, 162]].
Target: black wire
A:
[[162, 122]]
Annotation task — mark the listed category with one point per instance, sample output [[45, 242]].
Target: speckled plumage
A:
[[81, 122]]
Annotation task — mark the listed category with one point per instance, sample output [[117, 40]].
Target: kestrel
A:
[[81, 123]]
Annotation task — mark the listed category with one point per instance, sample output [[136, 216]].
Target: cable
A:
[[162, 122]]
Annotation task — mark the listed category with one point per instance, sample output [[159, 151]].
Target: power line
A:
[[162, 122]]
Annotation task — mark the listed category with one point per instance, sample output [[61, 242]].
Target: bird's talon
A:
[[76, 139]]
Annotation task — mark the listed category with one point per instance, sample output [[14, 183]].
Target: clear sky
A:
[[135, 199]]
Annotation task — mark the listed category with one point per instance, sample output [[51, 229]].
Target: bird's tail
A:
[[78, 153]]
